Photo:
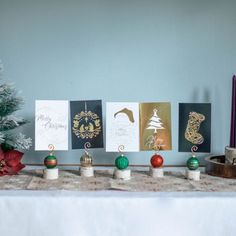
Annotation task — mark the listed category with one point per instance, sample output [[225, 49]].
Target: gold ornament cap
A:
[[86, 160]]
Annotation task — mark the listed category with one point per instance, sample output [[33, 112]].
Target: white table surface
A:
[[71, 213]]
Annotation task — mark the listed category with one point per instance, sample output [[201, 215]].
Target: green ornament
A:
[[50, 161], [193, 163], [122, 162]]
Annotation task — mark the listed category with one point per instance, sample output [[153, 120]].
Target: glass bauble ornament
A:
[[193, 163], [122, 162], [50, 161], [156, 161]]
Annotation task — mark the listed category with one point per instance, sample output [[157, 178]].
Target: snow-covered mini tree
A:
[[10, 102], [155, 122]]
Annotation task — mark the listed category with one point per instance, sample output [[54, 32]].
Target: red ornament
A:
[[156, 161], [10, 162]]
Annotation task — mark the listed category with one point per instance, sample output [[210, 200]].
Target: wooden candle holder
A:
[[216, 166]]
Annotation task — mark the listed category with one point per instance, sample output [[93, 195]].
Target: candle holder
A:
[[192, 173], [86, 161], [122, 163], [225, 166], [50, 161], [230, 151]]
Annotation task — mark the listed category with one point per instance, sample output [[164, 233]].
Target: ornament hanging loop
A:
[[51, 148], [193, 150], [121, 148], [87, 145], [156, 148]]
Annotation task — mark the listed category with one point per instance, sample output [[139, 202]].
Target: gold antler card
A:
[[155, 126]]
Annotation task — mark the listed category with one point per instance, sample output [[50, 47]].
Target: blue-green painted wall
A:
[[122, 50]]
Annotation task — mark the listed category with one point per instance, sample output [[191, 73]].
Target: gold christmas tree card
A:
[[155, 126]]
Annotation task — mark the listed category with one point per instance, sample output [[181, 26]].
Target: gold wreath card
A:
[[155, 126], [51, 124], [122, 126], [86, 123], [195, 127]]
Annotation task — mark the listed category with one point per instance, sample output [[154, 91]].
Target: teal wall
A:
[[122, 50]]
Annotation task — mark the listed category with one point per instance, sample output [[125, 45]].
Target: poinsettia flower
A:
[[10, 162]]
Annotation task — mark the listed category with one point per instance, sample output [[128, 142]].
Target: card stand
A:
[[122, 174], [87, 171], [50, 174], [156, 172], [193, 174]]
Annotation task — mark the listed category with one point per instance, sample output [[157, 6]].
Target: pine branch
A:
[[7, 90], [2, 137], [9, 102], [11, 122], [10, 105], [21, 142], [18, 141]]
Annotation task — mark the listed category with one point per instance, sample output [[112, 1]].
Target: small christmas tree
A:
[[155, 122], [9, 103]]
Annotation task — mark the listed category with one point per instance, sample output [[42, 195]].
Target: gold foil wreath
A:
[[86, 125], [193, 126]]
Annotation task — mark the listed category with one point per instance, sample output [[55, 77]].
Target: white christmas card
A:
[[122, 126], [51, 124]]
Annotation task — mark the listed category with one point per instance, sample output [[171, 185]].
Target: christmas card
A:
[[155, 126], [122, 126], [51, 124], [195, 127], [86, 124]]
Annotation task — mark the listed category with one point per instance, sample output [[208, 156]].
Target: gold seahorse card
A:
[[194, 127], [155, 126], [86, 123], [122, 126]]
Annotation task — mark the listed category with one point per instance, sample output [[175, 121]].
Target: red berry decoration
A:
[[156, 161]]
